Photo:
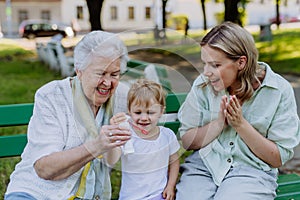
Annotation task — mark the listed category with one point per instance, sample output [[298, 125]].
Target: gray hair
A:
[[100, 44]]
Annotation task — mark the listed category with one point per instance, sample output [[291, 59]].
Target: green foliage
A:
[[177, 22], [282, 53]]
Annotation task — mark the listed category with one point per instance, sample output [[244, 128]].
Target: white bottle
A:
[[128, 146]]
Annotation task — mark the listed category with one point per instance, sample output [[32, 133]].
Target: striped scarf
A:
[[95, 179]]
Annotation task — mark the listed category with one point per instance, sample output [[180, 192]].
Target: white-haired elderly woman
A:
[[69, 133]]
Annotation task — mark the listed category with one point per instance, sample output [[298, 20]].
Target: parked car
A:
[[285, 19], [43, 28]]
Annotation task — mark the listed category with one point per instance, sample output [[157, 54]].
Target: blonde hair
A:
[[143, 91], [235, 42]]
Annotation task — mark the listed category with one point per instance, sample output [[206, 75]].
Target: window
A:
[[148, 13], [131, 12], [45, 14], [113, 13], [23, 15], [79, 12]]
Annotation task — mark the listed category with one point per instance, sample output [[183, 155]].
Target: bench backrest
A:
[[19, 114], [14, 115]]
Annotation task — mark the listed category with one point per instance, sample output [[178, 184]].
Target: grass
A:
[[283, 52], [21, 75]]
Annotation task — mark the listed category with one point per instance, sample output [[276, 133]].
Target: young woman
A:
[[239, 118]]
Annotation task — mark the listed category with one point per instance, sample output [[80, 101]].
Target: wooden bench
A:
[[56, 57], [19, 114]]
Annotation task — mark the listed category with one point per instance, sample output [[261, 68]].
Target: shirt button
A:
[[229, 160], [231, 143], [97, 197]]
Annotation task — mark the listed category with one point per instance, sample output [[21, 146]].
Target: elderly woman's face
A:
[[99, 80]]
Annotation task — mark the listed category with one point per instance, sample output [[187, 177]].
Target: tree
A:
[[95, 7], [277, 13], [164, 5], [231, 11], [204, 14]]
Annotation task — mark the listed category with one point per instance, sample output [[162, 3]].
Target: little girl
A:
[[150, 171]]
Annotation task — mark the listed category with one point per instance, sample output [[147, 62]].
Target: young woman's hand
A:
[[222, 114], [234, 113]]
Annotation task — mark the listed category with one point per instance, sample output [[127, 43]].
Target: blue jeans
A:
[[241, 182], [19, 196]]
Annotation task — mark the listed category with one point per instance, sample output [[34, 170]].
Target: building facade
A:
[[116, 14], [131, 14]]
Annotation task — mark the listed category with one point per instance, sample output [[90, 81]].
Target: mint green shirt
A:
[[272, 111]]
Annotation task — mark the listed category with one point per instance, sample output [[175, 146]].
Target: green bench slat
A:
[[15, 114], [173, 102], [288, 187], [283, 178], [12, 145], [134, 73], [132, 63]]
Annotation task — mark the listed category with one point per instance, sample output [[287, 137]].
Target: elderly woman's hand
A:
[[110, 136], [118, 118]]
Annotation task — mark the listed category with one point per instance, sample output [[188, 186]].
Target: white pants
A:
[[243, 183]]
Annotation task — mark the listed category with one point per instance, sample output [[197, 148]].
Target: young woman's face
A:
[[220, 70], [146, 118], [100, 80]]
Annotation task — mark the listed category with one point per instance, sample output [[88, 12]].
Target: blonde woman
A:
[[239, 119]]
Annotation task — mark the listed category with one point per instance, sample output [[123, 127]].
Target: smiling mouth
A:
[[144, 131], [214, 81], [103, 91]]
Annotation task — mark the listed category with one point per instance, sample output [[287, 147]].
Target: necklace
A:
[[143, 131]]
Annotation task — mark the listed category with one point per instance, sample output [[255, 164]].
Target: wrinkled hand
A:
[[233, 112], [110, 136], [118, 118]]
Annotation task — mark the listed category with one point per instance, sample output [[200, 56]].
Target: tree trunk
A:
[[164, 4], [204, 15], [94, 7], [231, 11], [277, 14]]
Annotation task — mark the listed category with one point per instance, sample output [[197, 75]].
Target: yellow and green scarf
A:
[[95, 178]]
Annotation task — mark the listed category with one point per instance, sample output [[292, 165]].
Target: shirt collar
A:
[[270, 77]]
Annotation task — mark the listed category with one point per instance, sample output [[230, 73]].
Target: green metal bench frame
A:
[[19, 114]]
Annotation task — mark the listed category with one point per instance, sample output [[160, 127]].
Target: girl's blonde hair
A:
[[235, 42], [144, 91]]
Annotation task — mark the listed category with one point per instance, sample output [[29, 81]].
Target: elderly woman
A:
[[69, 132]]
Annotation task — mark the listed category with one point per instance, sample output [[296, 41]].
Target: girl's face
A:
[[220, 70], [100, 80], [146, 118]]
